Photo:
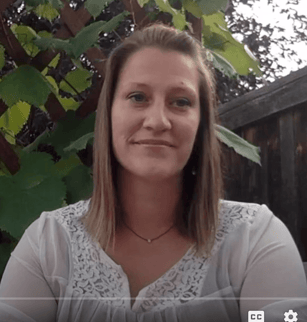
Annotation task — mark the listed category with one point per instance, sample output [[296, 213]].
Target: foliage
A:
[[46, 11], [95, 7], [55, 167], [19, 86], [36, 186], [220, 41], [240, 146], [85, 39], [269, 44], [2, 58], [14, 119], [71, 135]]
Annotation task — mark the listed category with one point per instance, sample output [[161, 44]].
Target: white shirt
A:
[[254, 255]]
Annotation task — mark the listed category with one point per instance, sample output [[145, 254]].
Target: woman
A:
[[155, 242]]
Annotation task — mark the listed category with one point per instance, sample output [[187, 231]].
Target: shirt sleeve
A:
[[274, 274], [25, 294]]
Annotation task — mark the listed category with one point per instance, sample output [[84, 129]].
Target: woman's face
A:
[[156, 98]]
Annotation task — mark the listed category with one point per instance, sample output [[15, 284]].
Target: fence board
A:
[[288, 191], [12, 45], [280, 95], [8, 156], [300, 130], [280, 130]]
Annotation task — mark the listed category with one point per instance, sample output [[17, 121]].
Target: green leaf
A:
[[142, 2], [34, 3], [223, 65], [214, 41], [42, 107], [193, 7], [9, 136], [15, 117], [165, 6], [79, 184], [240, 145], [26, 84], [80, 144], [47, 11], [178, 18], [85, 39], [221, 41], [54, 84], [65, 165], [68, 130], [204, 7], [3, 170], [50, 79], [36, 188], [77, 63], [53, 63], [115, 21], [45, 34], [2, 57], [40, 139], [89, 35], [53, 44], [35, 168], [80, 79], [208, 7], [95, 7], [68, 103], [57, 4], [25, 35], [179, 21]]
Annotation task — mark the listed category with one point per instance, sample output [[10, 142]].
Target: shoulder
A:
[[250, 223], [69, 213], [238, 209], [59, 221], [242, 211], [250, 217]]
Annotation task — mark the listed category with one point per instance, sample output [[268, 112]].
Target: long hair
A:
[[201, 192]]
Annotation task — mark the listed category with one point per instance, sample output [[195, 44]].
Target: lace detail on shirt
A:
[[92, 276], [95, 277], [184, 281]]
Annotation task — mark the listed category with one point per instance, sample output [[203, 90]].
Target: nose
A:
[[156, 117]]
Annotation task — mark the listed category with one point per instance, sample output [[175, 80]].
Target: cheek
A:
[[122, 130], [117, 123], [118, 118], [187, 132]]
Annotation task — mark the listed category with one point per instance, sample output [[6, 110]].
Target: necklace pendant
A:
[[149, 240]]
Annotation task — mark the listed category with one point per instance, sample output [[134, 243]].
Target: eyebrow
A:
[[173, 88]]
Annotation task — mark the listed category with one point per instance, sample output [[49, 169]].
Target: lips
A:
[[154, 142]]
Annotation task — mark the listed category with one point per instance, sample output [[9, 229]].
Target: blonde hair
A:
[[198, 215]]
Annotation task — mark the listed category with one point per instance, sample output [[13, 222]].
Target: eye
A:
[[183, 102], [135, 96]]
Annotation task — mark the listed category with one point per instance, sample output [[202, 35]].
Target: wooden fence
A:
[[275, 119]]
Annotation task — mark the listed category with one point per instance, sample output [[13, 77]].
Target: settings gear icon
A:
[[293, 317]]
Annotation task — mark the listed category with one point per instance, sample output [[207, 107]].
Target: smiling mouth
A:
[[151, 142], [153, 145]]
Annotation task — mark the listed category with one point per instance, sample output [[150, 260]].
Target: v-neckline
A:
[[143, 290]]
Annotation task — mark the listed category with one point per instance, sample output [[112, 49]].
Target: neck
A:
[[149, 206]]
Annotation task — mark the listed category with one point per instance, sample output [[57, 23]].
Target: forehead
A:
[[157, 67]]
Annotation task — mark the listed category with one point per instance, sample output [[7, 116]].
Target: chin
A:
[[157, 175]]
